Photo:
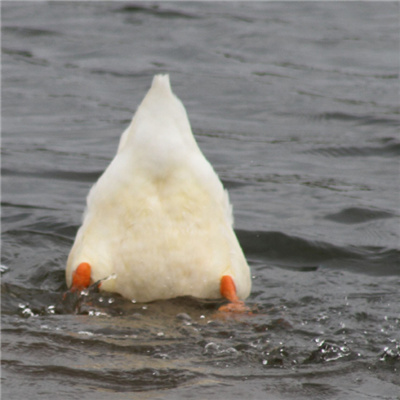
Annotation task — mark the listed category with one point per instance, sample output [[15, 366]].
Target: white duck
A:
[[158, 222]]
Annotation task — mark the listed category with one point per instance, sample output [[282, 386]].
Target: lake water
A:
[[297, 107]]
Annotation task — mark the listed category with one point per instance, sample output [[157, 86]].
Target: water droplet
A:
[[112, 276], [94, 313], [184, 317], [85, 333], [211, 348], [3, 269], [27, 312], [163, 356], [51, 309]]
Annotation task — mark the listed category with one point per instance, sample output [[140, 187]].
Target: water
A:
[[296, 105]]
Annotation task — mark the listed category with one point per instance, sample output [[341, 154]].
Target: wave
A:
[[357, 215], [54, 174], [309, 255], [391, 149], [361, 119], [155, 10]]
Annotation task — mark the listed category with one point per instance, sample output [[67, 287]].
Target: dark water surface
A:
[[296, 105]]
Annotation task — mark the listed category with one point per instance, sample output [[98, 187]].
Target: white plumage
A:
[[158, 222]]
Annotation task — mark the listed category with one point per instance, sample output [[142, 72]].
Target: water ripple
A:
[[389, 150], [357, 215]]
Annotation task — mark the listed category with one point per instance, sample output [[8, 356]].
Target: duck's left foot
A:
[[81, 277], [228, 290]]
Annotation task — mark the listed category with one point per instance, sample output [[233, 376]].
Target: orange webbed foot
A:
[[81, 277], [228, 290]]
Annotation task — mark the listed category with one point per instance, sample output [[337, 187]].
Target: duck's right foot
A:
[[228, 290]]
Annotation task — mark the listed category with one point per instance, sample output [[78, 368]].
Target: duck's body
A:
[[158, 222]]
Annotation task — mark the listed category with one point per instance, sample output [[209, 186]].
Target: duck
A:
[[158, 223]]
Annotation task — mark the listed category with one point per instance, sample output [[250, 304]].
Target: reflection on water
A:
[[296, 106]]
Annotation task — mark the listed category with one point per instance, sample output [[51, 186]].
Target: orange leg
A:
[[81, 277], [228, 290]]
